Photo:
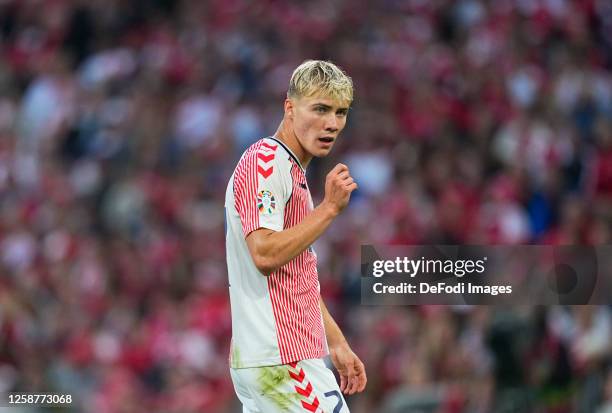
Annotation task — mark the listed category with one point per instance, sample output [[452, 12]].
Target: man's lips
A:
[[326, 139]]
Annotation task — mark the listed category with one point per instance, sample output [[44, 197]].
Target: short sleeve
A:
[[261, 190]]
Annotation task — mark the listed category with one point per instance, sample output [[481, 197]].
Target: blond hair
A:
[[320, 78]]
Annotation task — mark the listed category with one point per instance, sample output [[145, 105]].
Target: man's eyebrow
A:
[[323, 105]]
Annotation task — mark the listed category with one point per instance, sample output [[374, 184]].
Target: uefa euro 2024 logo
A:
[[266, 202]]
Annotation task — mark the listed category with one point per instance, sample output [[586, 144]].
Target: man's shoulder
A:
[[265, 157], [264, 145]]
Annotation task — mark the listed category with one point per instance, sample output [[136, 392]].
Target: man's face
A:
[[317, 122]]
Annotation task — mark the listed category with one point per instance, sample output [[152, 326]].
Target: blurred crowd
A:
[[482, 122]]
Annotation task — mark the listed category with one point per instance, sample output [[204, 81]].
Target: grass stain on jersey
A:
[[271, 381], [236, 361]]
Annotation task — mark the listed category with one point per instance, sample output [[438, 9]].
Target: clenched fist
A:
[[338, 187]]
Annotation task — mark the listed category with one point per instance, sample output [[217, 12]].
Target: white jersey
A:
[[276, 319]]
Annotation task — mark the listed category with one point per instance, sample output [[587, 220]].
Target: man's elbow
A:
[[265, 265]]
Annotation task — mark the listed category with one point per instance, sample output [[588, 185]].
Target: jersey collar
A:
[[274, 138]]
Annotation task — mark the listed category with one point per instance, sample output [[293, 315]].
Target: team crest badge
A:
[[266, 202]]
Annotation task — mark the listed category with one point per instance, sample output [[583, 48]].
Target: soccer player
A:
[[281, 328]]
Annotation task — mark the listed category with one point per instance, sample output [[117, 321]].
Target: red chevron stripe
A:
[[296, 377], [265, 158], [264, 172], [311, 407], [269, 146], [304, 392], [294, 364]]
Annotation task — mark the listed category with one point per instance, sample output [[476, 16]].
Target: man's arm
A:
[[273, 249], [353, 377]]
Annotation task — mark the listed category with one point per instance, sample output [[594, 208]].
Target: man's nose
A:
[[331, 123]]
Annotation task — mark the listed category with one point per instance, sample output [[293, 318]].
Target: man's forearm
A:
[[271, 250], [332, 331]]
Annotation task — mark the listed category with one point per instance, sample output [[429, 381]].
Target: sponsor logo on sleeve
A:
[[265, 156]]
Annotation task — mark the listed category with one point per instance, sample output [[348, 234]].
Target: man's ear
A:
[[289, 108]]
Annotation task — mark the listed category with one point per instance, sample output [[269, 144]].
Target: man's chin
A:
[[321, 153]]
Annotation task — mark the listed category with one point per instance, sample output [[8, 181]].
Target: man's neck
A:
[[286, 135]]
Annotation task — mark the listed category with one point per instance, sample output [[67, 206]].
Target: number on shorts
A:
[[339, 405]]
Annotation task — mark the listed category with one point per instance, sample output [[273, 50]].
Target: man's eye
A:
[[321, 109]]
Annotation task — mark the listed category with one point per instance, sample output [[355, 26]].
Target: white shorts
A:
[[305, 386]]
